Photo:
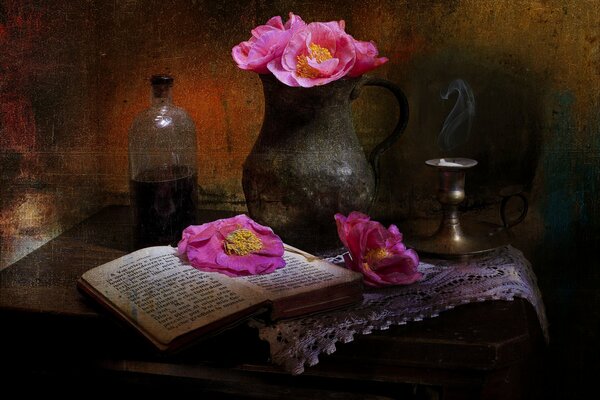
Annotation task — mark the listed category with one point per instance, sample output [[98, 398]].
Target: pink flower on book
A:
[[376, 252], [234, 246], [267, 42], [317, 54]]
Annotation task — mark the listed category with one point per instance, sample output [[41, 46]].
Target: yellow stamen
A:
[[317, 53], [242, 242], [376, 255]]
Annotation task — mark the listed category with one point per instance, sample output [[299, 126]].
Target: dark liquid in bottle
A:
[[164, 203]]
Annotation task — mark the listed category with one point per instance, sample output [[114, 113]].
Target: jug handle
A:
[[398, 129]]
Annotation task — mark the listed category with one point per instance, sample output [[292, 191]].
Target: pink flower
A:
[[234, 246], [315, 55], [366, 58], [267, 42], [376, 252]]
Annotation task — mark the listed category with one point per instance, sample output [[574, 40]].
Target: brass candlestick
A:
[[454, 239]]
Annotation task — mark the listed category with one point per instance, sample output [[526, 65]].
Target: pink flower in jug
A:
[[267, 43], [366, 58], [304, 55], [376, 252], [315, 55], [234, 246]]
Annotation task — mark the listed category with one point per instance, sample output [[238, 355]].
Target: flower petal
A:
[[207, 253], [240, 54], [295, 47], [376, 235], [294, 22], [336, 25], [366, 58], [263, 29], [272, 246], [267, 43], [251, 263], [194, 233], [326, 67], [356, 216], [322, 35], [394, 231], [282, 74]]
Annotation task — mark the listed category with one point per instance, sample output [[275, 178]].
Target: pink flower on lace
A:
[[316, 54], [376, 252], [234, 246], [267, 42], [366, 58]]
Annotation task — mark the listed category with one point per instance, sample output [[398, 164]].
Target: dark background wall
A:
[[74, 73]]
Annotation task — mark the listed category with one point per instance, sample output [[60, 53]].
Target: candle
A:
[[444, 163], [455, 163]]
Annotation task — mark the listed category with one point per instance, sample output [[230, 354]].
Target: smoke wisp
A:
[[457, 127]]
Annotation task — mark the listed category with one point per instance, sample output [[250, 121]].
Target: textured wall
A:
[[74, 74], [48, 136]]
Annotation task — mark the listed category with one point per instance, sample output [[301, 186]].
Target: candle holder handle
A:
[[506, 223]]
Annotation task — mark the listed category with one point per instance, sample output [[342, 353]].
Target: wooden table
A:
[[52, 338]]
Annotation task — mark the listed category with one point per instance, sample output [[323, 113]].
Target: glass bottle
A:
[[162, 169]]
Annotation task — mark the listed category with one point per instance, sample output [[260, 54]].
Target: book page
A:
[[302, 273], [164, 296]]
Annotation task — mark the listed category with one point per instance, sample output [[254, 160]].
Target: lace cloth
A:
[[499, 275]]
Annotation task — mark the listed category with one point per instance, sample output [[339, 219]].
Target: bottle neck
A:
[[162, 94]]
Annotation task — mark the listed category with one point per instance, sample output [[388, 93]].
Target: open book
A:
[[172, 304]]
